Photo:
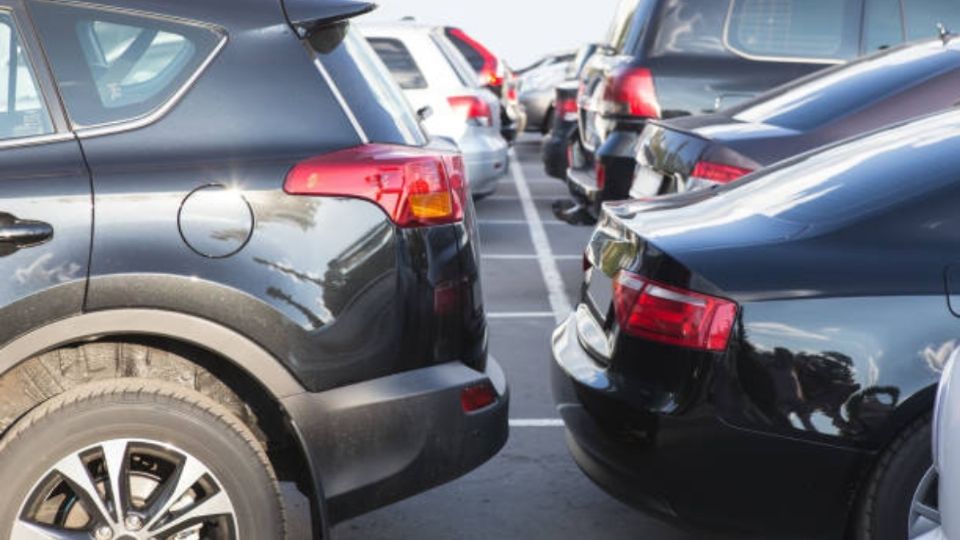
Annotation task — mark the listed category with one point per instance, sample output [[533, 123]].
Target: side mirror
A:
[[424, 113]]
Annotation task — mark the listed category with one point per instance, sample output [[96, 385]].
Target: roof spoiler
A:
[[305, 16]]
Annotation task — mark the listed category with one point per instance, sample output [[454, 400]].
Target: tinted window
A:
[[821, 98], [922, 17], [815, 29], [113, 67], [400, 62], [367, 86], [22, 112], [473, 56], [883, 26]]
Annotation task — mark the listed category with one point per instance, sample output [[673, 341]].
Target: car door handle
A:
[[24, 233]]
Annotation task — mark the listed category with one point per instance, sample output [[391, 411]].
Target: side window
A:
[[922, 17], [400, 62], [22, 111], [882, 25], [114, 67], [800, 29], [473, 56]]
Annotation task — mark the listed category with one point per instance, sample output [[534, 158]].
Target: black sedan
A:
[[763, 357], [896, 85]]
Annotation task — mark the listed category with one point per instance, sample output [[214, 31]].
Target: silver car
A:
[[441, 85], [537, 88]]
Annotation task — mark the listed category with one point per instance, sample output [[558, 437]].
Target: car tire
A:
[[547, 122], [160, 434], [884, 508]]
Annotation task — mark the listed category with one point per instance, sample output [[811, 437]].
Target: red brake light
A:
[[474, 398], [717, 172], [667, 314], [415, 187], [567, 109], [601, 170], [472, 108], [630, 91]]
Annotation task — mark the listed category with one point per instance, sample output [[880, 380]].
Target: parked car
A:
[[537, 87], [762, 357], [226, 268], [496, 75], [563, 127], [561, 57], [674, 58], [934, 510], [435, 77], [892, 86]]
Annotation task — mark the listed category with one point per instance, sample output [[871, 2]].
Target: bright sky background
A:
[[519, 30]]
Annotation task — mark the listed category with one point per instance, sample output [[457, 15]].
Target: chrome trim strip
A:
[[762, 58], [340, 99], [160, 112], [36, 140]]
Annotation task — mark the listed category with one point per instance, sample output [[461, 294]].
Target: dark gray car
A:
[[889, 87]]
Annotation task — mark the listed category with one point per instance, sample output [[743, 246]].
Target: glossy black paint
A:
[[837, 260], [184, 212], [695, 71], [562, 134], [831, 105]]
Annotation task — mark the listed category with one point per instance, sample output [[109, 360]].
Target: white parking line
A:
[[559, 302], [521, 315], [526, 257], [536, 422]]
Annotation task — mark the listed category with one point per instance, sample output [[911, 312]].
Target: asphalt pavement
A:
[[532, 489]]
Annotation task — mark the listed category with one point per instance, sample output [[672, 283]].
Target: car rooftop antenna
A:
[[944, 34]]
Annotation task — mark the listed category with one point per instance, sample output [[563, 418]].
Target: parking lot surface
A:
[[532, 489]]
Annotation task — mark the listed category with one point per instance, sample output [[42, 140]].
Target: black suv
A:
[[673, 58], [232, 259]]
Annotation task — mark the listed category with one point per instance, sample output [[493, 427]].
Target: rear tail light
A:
[[671, 315], [512, 94], [474, 398], [719, 173], [414, 186], [567, 109], [472, 109], [630, 92], [601, 170]]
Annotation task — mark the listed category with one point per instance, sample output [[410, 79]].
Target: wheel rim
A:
[[127, 489], [924, 511]]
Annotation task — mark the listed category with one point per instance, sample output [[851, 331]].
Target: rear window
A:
[[400, 62], [822, 98], [367, 87], [114, 67], [794, 29]]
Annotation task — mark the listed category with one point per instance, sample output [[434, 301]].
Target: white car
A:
[[436, 77], [935, 510]]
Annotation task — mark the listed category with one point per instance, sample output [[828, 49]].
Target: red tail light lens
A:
[[671, 315], [717, 172], [567, 109], [472, 109], [512, 93], [414, 186], [601, 170], [630, 91], [474, 398]]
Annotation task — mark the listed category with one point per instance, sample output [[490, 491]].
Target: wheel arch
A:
[[230, 349]]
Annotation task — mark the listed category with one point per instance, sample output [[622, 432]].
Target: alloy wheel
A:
[[924, 510], [127, 489]]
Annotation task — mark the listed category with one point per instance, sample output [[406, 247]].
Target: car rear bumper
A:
[[377, 442], [582, 183], [691, 467], [486, 168]]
